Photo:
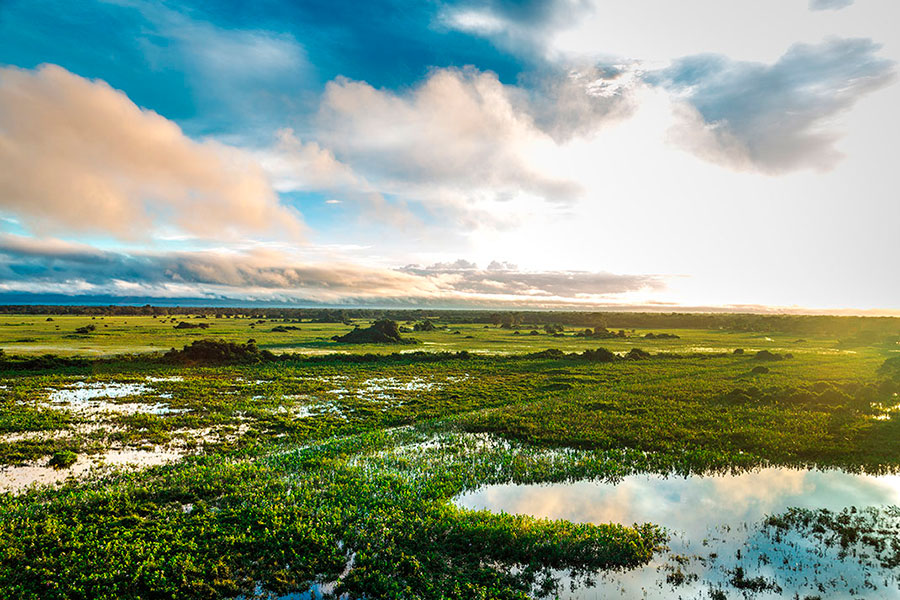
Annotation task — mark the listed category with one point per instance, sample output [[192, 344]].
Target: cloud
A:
[[536, 13], [506, 280], [242, 79], [28, 264], [522, 27], [295, 165], [829, 4], [773, 118], [78, 155], [474, 152], [460, 130], [580, 100], [50, 264]]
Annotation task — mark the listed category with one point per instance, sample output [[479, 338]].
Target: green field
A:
[[321, 465], [34, 335]]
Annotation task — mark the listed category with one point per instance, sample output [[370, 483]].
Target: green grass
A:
[[33, 334], [340, 471]]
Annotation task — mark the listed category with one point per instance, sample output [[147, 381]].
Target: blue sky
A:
[[479, 153]]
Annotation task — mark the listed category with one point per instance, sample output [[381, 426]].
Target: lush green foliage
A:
[[341, 467]]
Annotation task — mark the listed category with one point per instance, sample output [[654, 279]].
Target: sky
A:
[[639, 154]]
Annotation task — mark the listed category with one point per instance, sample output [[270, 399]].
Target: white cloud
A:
[[459, 134], [522, 27], [78, 155], [775, 118]]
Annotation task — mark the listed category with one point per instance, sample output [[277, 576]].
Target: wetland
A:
[[476, 465]]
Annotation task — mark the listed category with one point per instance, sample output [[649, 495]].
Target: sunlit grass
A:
[[342, 468]]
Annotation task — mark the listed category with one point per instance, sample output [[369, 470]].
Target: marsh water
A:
[[716, 526]]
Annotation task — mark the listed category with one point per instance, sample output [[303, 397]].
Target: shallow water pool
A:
[[716, 527]]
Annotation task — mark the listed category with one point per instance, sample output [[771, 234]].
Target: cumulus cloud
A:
[[460, 130], [580, 100], [773, 118], [829, 4], [78, 155], [28, 264]]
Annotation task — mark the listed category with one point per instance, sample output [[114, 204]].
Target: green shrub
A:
[[63, 459]]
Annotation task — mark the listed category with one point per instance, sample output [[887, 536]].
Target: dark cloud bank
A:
[[27, 265]]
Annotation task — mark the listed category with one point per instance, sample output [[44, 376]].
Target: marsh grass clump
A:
[[48, 362], [872, 533], [890, 368], [63, 459], [819, 396], [599, 333], [599, 355], [552, 353], [637, 354], [661, 336], [186, 325], [758, 584]]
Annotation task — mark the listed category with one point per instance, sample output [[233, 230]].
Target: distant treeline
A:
[[839, 326]]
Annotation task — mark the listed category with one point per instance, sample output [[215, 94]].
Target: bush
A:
[[185, 325], [662, 336], [550, 353], [598, 355], [637, 354], [599, 332], [425, 325], [218, 352], [384, 331]]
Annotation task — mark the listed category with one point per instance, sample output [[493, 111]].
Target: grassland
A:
[[326, 466], [35, 335]]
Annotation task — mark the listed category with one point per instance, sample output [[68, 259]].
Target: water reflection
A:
[[716, 527], [91, 398]]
